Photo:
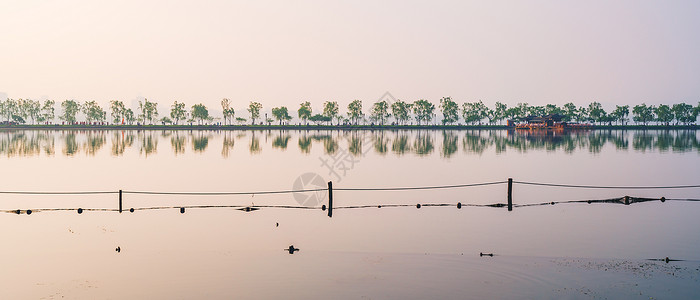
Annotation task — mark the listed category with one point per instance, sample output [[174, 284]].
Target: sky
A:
[[285, 52]]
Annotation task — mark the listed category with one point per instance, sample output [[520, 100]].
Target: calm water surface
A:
[[371, 252]]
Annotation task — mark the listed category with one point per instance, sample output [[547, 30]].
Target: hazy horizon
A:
[[283, 53]]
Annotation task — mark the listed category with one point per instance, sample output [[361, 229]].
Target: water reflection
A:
[[399, 142], [148, 142], [305, 144], [254, 146], [281, 140], [423, 144], [121, 140], [178, 141], [229, 141], [200, 140]]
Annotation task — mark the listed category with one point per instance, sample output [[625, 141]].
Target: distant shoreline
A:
[[325, 127]]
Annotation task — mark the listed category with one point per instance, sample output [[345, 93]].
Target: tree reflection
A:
[[71, 144], [400, 144], [178, 141], [148, 141], [449, 143], [254, 146], [355, 143], [228, 143], [200, 141], [120, 141], [330, 145], [381, 142], [281, 140], [94, 142], [419, 142], [423, 144], [305, 144]]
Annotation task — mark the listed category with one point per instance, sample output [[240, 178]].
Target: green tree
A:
[[423, 110], [500, 111], [450, 110], [21, 110], [240, 120], [70, 110], [620, 113], [582, 114], [281, 114], [683, 113], [523, 110], [3, 109], [178, 112], [319, 118], [117, 110], [643, 113], [664, 114], [380, 111], [401, 111], [536, 110], [330, 110], [512, 113], [11, 109], [305, 112], [570, 112], [355, 111], [254, 110], [32, 109], [93, 112], [149, 111], [474, 112], [596, 113], [553, 109], [199, 113], [47, 111], [229, 112], [129, 116]]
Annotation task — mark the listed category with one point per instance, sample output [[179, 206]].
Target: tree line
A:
[[398, 112]]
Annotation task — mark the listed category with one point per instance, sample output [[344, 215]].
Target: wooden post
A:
[[510, 194], [330, 199], [120, 201]]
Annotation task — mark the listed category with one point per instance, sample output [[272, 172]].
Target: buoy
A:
[[80, 210], [182, 210], [552, 202], [291, 249], [663, 199], [18, 211], [29, 211], [119, 249], [459, 205], [131, 210], [379, 206], [277, 224], [589, 201], [323, 207], [418, 205]]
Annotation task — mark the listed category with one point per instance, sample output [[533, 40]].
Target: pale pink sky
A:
[[286, 52]]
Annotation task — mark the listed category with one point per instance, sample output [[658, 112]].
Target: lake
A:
[[215, 249]]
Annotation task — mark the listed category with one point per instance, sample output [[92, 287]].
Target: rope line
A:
[[221, 193], [344, 189], [57, 193], [421, 187], [631, 200], [607, 187]]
